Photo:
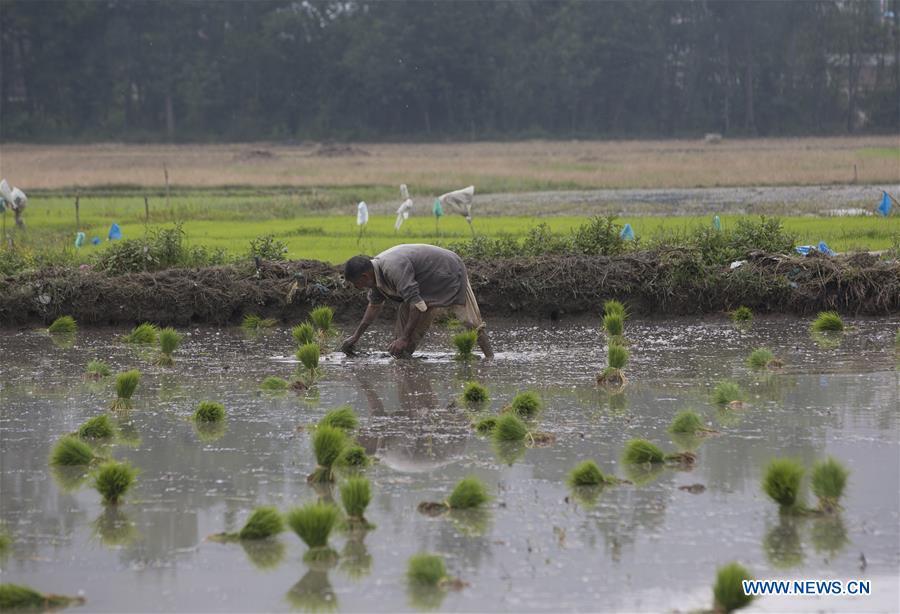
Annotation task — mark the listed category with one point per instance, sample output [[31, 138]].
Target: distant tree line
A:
[[293, 70]]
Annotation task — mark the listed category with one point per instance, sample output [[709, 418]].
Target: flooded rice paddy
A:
[[649, 546]]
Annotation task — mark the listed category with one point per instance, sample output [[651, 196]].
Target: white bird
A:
[[362, 213], [403, 213]]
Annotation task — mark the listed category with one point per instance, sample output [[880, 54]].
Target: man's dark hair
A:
[[356, 266]]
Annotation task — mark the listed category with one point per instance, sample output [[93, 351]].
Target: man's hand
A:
[[348, 346], [398, 347]]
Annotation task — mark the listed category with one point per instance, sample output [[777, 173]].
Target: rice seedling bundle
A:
[[263, 523], [273, 383], [143, 334], [728, 591], [209, 412], [474, 394], [468, 493], [343, 418], [640, 451], [97, 369], [98, 427], [63, 325], [726, 393], [303, 334], [308, 355], [781, 482], [328, 443], [526, 405], [426, 569], [313, 523], [687, 422], [828, 480], [356, 493], [169, 340], [71, 452], [323, 319], [587, 473], [741, 315], [464, 343], [353, 457], [614, 307], [126, 384], [509, 427], [614, 324], [113, 480], [827, 321], [486, 426], [760, 358]]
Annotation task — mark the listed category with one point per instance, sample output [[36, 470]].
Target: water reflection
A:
[[114, 528], [313, 593], [829, 535], [264, 554], [355, 559], [782, 543]]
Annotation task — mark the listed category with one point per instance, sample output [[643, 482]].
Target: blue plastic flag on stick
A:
[[823, 248], [885, 207], [717, 223], [438, 210], [95, 241], [115, 232], [79, 239], [627, 233]]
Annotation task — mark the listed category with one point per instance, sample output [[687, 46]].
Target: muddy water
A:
[[649, 546]]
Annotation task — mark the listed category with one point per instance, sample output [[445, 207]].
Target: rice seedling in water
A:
[[356, 493], [760, 358], [614, 307], [741, 315], [323, 319], [728, 393], [641, 451], [828, 480], [468, 493], [313, 523], [70, 452], [781, 482], [98, 427], [343, 418], [169, 340], [64, 325], [614, 324], [18, 597], [308, 355], [143, 334], [897, 338], [97, 369], [328, 443], [688, 422], [614, 374], [588, 473], [526, 405], [509, 428], [264, 522], [827, 321], [253, 322], [728, 591], [426, 569], [486, 426], [126, 383], [113, 480], [465, 342], [274, 384], [5, 542], [353, 457], [303, 334], [475, 395], [209, 411]]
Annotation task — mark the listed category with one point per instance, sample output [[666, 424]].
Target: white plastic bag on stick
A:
[[459, 201], [403, 213]]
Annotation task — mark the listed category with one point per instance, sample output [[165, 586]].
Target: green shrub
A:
[[587, 473], [209, 411], [303, 334], [356, 493], [465, 342], [322, 318], [474, 394], [313, 523], [98, 427], [162, 248], [829, 478], [827, 321], [781, 481], [343, 418], [267, 247], [143, 334], [640, 451], [63, 324], [599, 236], [526, 404], [113, 480], [728, 591], [70, 451], [468, 493], [264, 522], [426, 569]]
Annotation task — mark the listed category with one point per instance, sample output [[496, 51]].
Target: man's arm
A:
[[369, 316]]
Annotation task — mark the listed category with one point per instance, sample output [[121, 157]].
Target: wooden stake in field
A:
[[166, 173], [77, 211], [146, 211]]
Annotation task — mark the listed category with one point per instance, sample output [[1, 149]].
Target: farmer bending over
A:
[[426, 281]]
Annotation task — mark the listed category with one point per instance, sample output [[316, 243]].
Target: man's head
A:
[[360, 272]]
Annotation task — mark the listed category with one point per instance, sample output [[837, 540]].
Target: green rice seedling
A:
[[526, 405], [323, 319], [303, 334], [486, 426], [760, 358], [614, 375], [98, 427], [20, 598], [308, 355], [475, 395], [126, 383], [468, 493], [688, 422], [614, 324], [209, 411], [143, 334], [641, 451], [313, 523], [343, 418], [328, 442], [464, 343], [169, 340], [274, 384], [113, 480], [781, 482], [728, 591], [827, 321], [741, 315], [263, 523], [97, 369], [728, 393], [114, 529], [70, 452], [587, 473], [426, 569], [828, 480], [614, 307], [509, 427], [356, 493], [63, 325], [254, 323], [353, 457]]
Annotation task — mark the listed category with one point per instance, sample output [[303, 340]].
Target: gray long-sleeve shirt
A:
[[419, 274]]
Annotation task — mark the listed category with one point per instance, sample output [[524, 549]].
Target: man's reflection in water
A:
[[420, 433]]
